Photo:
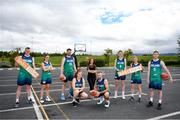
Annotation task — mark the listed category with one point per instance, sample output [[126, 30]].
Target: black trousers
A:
[[91, 81]]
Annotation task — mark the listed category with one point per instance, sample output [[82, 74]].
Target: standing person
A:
[[120, 65], [91, 77], [75, 59], [154, 79], [78, 85], [103, 89], [46, 78], [25, 78], [136, 78], [68, 69]]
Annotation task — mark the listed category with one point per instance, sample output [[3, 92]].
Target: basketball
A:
[[94, 93], [165, 76], [62, 77]]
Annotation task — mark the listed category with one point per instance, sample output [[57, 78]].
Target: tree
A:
[[107, 54], [178, 41], [128, 53]]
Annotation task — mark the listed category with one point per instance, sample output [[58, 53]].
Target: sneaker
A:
[[74, 104], [150, 104], [101, 100], [48, 99], [131, 98], [107, 104], [159, 106], [115, 96], [139, 99], [42, 100], [62, 97], [30, 101], [16, 105], [123, 97], [70, 96], [77, 100]]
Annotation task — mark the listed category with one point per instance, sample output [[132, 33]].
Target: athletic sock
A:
[[160, 101], [123, 93], [29, 97], [151, 99], [17, 100], [139, 95], [115, 93]]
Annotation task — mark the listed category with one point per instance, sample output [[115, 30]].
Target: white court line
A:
[[36, 108], [165, 116], [62, 103]]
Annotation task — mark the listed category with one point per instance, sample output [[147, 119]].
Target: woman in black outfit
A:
[[91, 68]]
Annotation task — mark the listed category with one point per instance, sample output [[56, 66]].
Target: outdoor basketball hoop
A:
[[79, 47]]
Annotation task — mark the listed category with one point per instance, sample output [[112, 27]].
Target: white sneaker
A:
[[123, 97], [115, 96], [107, 104], [41, 101], [48, 99], [101, 100]]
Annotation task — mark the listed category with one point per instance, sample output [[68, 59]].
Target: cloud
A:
[[53, 25]]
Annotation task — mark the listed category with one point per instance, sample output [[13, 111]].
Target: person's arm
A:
[[16, 64], [75, 69], [166, 69], [125, 64], [62, 66], [73, 84], [142, 68], [131, 65], [33, 63], [115, 65], [83, 87], [51, 67], [148, 72], [106, 86]]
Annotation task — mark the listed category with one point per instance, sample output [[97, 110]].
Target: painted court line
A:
[[36, 108], [165, 116], [62, 103]]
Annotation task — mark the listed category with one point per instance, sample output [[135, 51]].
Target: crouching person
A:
[[102, 89], [78, 85]]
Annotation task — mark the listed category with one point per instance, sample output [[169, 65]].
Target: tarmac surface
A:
[[88, 109]]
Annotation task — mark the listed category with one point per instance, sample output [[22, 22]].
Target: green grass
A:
[[57, 59]]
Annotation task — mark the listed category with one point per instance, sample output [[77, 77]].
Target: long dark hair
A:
[[90, 61], [78, 71]]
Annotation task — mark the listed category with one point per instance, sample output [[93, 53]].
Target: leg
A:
[[116, 88], [62, 97], [47, 89], [160, 100], [18, 92], [106, 97], [150, 104], [42, 91], [123, 88], [139, 90], [28, 90], [84, 95], [132, 90]]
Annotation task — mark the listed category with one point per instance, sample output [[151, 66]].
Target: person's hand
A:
[[171, 80]]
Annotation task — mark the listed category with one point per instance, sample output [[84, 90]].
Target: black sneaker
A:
[[77, 100], [159, 106], [30, 101], [74, 104], [150, 104], [16, 105], [131, 98], [139, 99]]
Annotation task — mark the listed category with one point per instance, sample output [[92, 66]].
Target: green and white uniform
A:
[[155, 75], [120, 65], [136, 76], [46, 77], [69, 68], [25, 78]]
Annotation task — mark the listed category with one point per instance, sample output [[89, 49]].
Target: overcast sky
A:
[[54, 25]]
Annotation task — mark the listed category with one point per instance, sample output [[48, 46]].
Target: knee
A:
[[106, 95]]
